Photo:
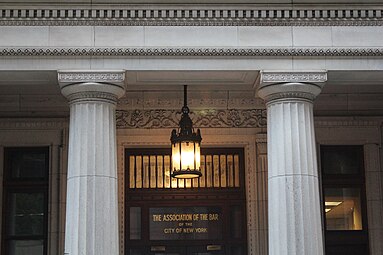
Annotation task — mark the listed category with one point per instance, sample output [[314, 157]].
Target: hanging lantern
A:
[[186, 153]]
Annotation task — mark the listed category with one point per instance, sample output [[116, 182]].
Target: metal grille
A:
[[151, 170]]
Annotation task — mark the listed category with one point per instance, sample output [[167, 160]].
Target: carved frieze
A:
[[231, 118]]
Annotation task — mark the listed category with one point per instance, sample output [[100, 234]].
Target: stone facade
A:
[[252, 69]]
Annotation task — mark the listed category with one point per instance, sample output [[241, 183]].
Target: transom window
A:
[[152, 169]]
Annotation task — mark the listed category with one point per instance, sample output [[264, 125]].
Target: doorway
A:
[[166, 216]]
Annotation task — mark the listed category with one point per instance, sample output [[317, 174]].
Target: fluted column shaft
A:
[[293, 185], [92, 204]]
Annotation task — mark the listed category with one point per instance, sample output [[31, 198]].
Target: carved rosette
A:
[[80, 86], [232, 118], [287, 85]]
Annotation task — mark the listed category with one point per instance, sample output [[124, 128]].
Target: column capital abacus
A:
[[91, 85], [276, 85]]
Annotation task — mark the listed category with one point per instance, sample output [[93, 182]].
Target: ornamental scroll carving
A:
[[231, 118]]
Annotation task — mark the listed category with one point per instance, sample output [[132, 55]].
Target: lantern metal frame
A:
[[187, 135]]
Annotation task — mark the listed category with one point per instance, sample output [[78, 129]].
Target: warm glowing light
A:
[[327, 210], [187, 155], [186, 142], [327, 203]]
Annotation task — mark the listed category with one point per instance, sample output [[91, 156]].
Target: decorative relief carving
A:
[[278, 77], [184, 16], [246, 118], [126, 103], [200, 52], [86, 76]]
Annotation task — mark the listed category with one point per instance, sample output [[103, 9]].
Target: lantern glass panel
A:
[[197, 156], [187, 155], [176, 156]]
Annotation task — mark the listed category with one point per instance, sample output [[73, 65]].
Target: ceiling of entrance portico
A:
[[25, 93], [45, 82]]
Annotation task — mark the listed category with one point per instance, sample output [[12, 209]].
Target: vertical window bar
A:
[[227, 171], [212, 171], [138, 169], [219, 171], [149, 172], [202, 182], [163, 171], [236, 171], [153, 171], [156, 170], [132, 174], [142, 171], [222, 165]]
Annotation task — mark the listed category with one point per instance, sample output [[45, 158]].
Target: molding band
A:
[[187, 16], [232, 118], [92, 96], [197, 52], [289, 95], [88, 76], [271, 77]]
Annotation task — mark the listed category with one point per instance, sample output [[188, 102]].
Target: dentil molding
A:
[[193, 52], [135, 15], [231, 118]]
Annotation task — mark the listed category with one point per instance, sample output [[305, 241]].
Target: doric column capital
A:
[[276, 85], [91, 85]]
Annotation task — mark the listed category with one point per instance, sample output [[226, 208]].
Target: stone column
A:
[[295, 222], [92, 211]]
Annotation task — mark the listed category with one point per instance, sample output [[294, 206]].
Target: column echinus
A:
[[91, 212], [293, 186]]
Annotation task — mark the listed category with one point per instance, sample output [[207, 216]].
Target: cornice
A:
[[184, 15], [196, 52], [231, 118]]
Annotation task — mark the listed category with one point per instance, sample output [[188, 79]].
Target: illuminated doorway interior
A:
[[201, 216]]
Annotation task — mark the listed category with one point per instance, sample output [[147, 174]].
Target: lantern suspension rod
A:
[[185, 95]]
